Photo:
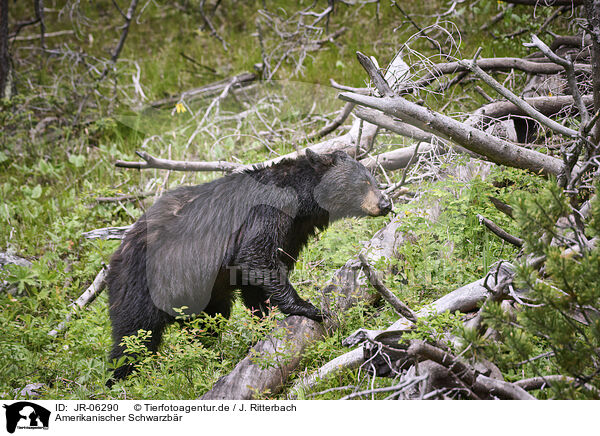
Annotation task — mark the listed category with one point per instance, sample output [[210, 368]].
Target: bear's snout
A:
[[385, 205], [376, 203]]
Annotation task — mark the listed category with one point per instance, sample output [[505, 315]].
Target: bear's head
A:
[[346, 187]]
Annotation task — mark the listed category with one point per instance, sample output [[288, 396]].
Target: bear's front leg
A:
[[274, 288], [289, 302]]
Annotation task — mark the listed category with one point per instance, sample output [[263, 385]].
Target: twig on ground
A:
[[498, 231], [84, 299], [400, 308]]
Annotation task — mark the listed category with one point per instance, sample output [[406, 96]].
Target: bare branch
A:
[[107, 232], [380, 83], [401, 308], [124, 33], [501, 233], [570, 71], [334, 124], [166, 164], [382, 120], [487, 64], [84, 299], [534, 383], [209, 24], [501, 206], [522, 104]]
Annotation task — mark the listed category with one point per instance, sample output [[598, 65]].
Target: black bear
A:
[[198, 244]]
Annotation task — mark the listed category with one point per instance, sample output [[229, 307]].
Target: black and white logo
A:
[[26, 415]]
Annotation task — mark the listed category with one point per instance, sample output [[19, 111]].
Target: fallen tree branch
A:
[[395, 159], [208, 23], [535, 383], [567, 64], [382, 120], [486, 64], [545, 105], [501, 206], [399, 158], [124, 197], [117, 51], [498, 231], [334, 124], [497, 150], [84, 299], [46, 35], [239, 81], [166, 164], [400, 386], [400, 308], [107, 233], [519, 102]]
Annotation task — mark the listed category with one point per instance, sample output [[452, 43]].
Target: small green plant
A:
[[435, 328]]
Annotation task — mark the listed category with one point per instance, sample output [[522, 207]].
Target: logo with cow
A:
[[25, 415]]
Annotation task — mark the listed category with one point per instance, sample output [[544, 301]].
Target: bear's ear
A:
[[340, 156], [318, 161]]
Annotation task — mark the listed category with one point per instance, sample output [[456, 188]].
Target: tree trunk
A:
[[592, 9], [5, 82]]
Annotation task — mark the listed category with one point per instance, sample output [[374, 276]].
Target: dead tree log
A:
[[249, 379]]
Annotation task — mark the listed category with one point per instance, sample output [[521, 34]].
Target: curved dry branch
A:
[[84, 299]]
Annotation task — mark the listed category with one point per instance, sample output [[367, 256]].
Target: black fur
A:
[[198, 244]]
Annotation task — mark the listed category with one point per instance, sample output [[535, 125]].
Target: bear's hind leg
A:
[[127, 322], [254, 299]]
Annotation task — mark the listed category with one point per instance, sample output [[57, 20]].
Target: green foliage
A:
[[557, 331], [434, 328], [455, 248]]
